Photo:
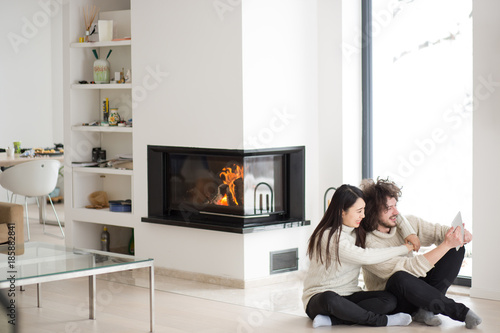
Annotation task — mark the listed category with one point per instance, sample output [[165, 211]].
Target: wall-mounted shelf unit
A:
[[84, 105]]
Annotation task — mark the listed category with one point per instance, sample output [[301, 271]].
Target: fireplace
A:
[[226, 190]]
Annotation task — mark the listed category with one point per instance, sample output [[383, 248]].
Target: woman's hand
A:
[[409, 246], [414, 241]]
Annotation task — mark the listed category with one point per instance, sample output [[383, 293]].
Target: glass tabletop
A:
[[42, 259]]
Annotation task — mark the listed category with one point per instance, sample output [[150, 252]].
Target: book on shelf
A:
[[84, 164]]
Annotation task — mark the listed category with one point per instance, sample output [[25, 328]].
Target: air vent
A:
[[284, 261]]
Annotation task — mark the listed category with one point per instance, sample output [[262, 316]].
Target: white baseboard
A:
[[200, 277], [230, 282], [484, 293]]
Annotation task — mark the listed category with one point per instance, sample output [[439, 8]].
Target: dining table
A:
[[7, 161]]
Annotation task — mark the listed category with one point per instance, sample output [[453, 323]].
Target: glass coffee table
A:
[[37, 263]]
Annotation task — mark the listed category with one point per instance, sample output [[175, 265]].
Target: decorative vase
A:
[[101, 71], [114, 117]]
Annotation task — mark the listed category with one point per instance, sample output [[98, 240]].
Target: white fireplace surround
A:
[[246, 81]]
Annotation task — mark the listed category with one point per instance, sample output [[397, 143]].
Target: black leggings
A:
[[445, 271], [429, 292], [363, 307]]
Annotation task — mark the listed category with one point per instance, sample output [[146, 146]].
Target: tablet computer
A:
[[457, 222]]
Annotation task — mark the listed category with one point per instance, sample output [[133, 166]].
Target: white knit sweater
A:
[[343, 279], [376, 276]]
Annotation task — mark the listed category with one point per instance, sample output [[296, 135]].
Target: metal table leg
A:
[[38, 294], [92, 296], [152, 298]]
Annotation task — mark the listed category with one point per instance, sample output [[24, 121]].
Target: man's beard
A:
[[388, 224]]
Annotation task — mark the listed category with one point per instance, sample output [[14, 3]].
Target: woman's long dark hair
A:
[[343, 198]]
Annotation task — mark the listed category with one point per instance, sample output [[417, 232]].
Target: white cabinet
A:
[[83, 105]]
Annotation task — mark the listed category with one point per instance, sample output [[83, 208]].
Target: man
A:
[[419, 282]]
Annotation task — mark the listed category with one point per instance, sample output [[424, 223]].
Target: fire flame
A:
[[228, 177], [223, 201]]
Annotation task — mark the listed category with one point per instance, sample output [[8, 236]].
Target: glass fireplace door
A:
[[244, 186]]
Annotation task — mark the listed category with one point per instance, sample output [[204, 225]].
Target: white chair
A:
[[32, 179]]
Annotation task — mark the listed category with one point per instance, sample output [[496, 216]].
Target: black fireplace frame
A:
[[293, 214]]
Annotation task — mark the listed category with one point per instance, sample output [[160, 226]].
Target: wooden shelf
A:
[[94, 216], [102, 129], [99, 86], [104, 171], [102, 44]]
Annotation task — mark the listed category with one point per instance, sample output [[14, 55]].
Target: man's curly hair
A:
[[376, 195]]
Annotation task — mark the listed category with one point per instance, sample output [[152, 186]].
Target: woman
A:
[[331, 292]]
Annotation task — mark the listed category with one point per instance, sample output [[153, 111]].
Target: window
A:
[[421, 70]]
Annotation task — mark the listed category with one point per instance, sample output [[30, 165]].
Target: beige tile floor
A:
[[188, 306]]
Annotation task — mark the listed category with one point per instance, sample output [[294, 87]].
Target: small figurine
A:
[[128, 76]]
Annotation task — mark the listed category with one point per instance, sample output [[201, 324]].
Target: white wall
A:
[[330, 97], [30, 109], [31, 74], [280, 104], [56, 49], [188, 61], [351, 92], [486, 159], [339, 89], [280, 74]]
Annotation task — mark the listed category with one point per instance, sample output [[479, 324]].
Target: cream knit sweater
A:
[[376, 276], [343, 279]]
